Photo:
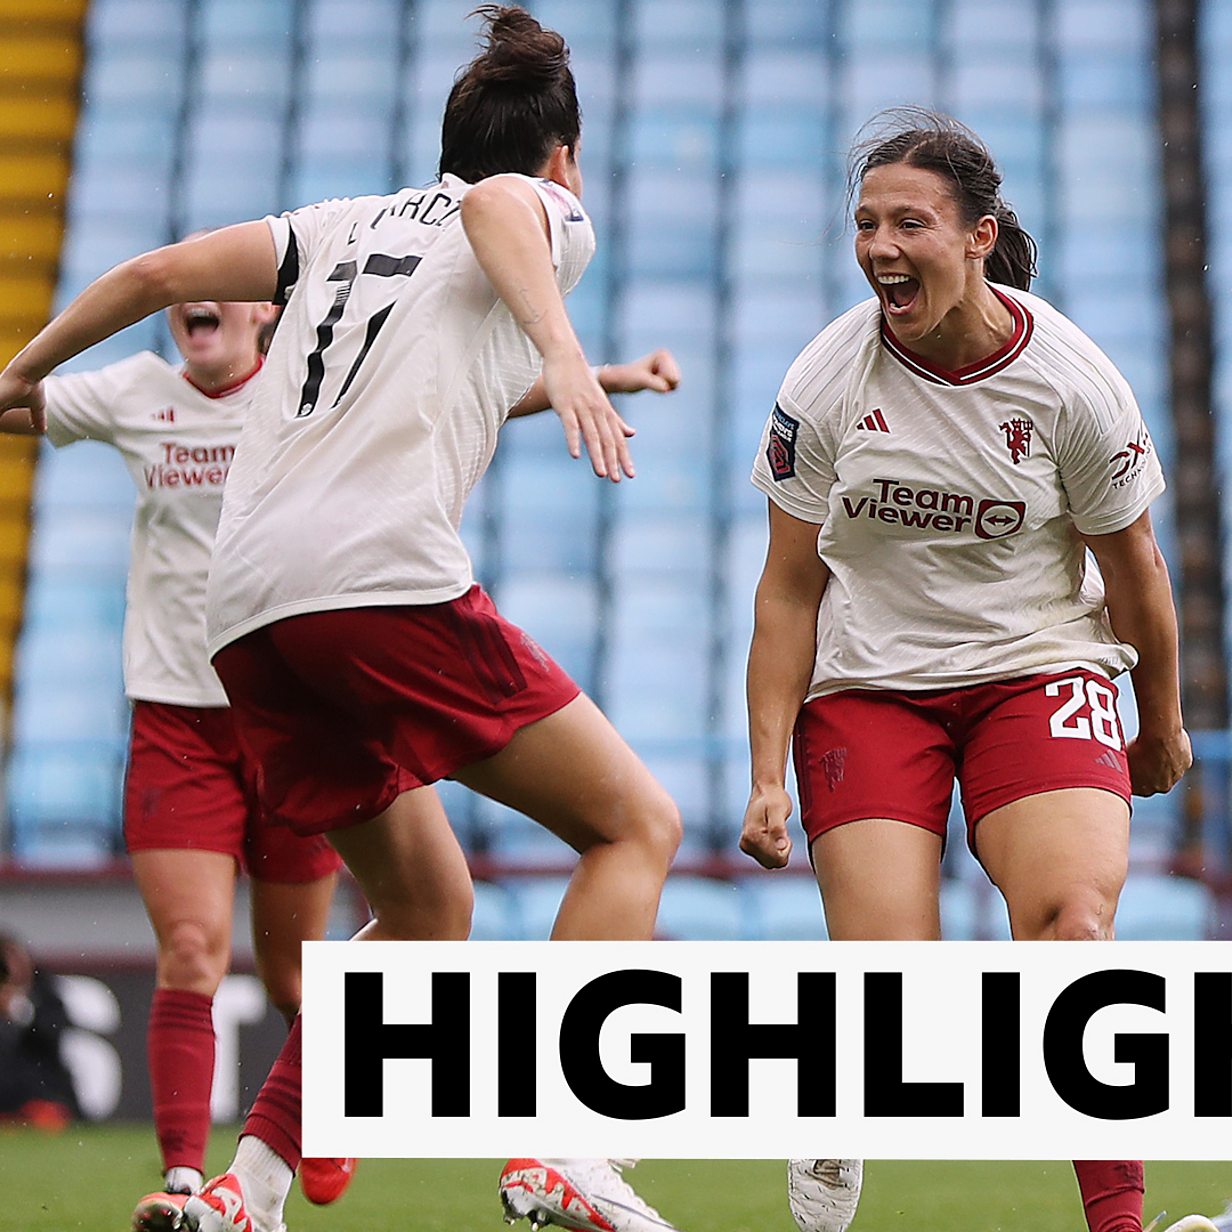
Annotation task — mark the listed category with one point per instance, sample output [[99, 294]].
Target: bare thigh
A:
[[189, 896], [1060, 859], [880, 880], [573, 773]]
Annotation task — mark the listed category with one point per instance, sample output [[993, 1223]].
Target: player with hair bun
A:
[[361, 661], [938, 464]]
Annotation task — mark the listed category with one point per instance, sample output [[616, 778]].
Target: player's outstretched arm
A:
[[1140, 607], [780, 667], [657, 371], [236, 263], [508, 231]]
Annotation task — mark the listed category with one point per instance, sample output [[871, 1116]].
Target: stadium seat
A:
[[783, 908], [241, 23], [370, 23], [116, 24], [974, 26], [1160, 907], [701, 909]]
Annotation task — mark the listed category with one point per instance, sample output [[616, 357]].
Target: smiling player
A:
[[939, 462], [190, 816]]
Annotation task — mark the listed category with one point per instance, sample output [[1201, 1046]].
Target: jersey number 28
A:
[[1069, 722]]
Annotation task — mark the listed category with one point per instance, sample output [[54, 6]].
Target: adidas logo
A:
[[874, 423], [1108, 759], [166, 415]]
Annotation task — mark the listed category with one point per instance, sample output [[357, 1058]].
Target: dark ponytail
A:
[[514, 103], [935, 142]]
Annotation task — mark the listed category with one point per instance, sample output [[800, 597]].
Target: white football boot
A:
[[587, 1195], [1223, 1221], [1198, 1223], [219, 1207], [823, 1193]]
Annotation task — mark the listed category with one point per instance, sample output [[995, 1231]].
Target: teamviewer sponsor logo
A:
[[994, 519], [933, 509]]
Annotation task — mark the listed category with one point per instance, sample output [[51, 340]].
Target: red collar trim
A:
[[228, 389], [1024, 327]]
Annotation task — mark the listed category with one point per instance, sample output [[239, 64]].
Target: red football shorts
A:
[[189, 788], [342, 711], [871, 753]]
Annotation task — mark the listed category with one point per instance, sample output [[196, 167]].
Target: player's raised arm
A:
[[657, 371], [235, 263], [507, 227]]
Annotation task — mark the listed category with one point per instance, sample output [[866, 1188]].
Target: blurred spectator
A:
[[35, 1086]]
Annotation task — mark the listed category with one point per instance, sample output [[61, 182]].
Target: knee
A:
[[283, 985], [658, 828], [1076, 920], [192, 957], [443, 915]]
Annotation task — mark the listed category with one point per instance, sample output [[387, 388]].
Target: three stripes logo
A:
[[874, 423]]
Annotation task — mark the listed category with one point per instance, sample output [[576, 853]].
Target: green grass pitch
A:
[[89, 1178]]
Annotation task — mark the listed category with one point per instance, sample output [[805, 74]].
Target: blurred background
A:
[[714, 139]]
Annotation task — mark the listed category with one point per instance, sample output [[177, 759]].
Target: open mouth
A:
[[899, 292], [200, 321]]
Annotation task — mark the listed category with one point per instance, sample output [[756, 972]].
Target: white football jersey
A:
[[177, 443], [949, 504], [393, 368]]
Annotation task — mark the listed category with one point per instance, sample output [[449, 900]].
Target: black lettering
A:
[[809, 1041], [582, 1066], [436, 200], [885, 1092], [515, 1044], [369, 1040], [1213, 1044], [1063, 1054], [1001, 1044]]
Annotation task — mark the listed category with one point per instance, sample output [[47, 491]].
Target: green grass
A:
[[90, 1177]]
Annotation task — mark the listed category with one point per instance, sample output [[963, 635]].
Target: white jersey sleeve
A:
[[569, 232], [795, 464], [297, 234], [1106, 458], [82, 405]]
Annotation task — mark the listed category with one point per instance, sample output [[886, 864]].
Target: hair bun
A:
[[517, 48]]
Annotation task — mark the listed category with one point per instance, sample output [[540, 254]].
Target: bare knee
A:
[[192, 957], [654, 826], [443, 914], [1075, 920]]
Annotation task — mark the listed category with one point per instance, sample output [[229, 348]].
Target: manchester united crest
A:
[[1018, 438]]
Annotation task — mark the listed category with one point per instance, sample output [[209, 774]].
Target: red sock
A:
[[1111, 1193], [275, 1115], [180, 1044]]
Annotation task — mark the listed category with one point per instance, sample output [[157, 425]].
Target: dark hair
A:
[[939, 143], [513, 103]]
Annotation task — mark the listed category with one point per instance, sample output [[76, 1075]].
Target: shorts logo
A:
[[1130, 458], [781, 451], [834, 766], [535, 651], [994, 519], [1018, 438]]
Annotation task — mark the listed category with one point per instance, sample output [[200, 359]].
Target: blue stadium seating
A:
[[714, 155]]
